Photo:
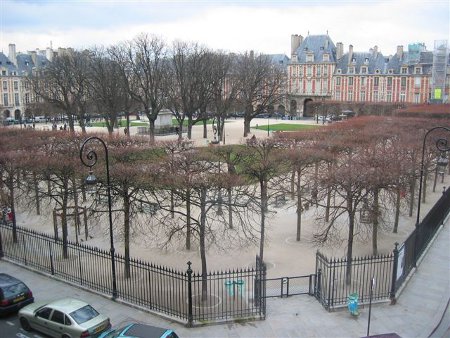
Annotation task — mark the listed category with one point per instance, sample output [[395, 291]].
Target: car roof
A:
[[67, 304], [6, 279], [144, 330]]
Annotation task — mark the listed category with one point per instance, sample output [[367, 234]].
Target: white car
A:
[[66, 318]]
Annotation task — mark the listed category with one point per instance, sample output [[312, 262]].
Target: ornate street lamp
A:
[[443, 146], [89, 161]]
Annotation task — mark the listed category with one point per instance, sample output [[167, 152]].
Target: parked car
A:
[[137, 330], [14, 294], [65, 318]]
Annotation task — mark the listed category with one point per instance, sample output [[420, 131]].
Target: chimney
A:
[[296, 41], [12, 54], [375, 51], [339, 50], [400, 52], [350, 53], [49, 54], [34, 58]]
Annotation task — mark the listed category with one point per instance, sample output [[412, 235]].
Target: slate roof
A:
[[279, 59], [6, 63], [318, 44]]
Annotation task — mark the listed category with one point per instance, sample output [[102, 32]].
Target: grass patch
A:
[[286, 127], [121, 123]]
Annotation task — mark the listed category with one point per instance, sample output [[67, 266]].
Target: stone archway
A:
[[307, 112], [281, 109], [6, 113], [18, 115]]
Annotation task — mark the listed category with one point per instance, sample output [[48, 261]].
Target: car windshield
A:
[[84, 314], [14, 290]]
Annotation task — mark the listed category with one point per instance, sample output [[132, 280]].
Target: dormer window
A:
[[377, 71], [390, 71], [309, 57], [351, 70], [366, 61], [363, 70], [417, 70], [353, 60], [326, 57], [339, 71], [404, 70]]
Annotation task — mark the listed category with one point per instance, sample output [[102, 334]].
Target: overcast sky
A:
[[233, 26]]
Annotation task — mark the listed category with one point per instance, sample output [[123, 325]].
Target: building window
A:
[[16, 85], [418, 70], [16, 99], [363, 70], [389, 81], [339, 71], [377, 71], [3, 72], [27, 98], [375, 96], [5, 85], [417, 82], [309, 86], [389, 97], [403, 81], [417, 98], [325, 70], [402, 97], [308, 71], [309, 57], [351, 70], [326, 57], [391, 71], [362, 96], [366, 61], [376, 81], [5, 100], [363, 81], [350, 96], [338, 81], [350, 81], [338, 95], [318, 70], [404, 70]]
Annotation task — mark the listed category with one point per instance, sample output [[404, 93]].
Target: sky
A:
[[231, 26]]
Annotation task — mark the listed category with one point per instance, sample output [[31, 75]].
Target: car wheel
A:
[[25, 324]]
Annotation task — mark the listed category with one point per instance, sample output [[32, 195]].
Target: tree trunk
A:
[[246, 126], [299, 207], [172, 203], [126, 231], [230, 208], [205, 129], [202, 233], [188, 220], [64, 216], [376, 210], [36, 193], [12, 202], [263, 187], [293, 184], [412, 190], [189, 134], [151, 131], [397, 210], [351, 228], [328, 207]]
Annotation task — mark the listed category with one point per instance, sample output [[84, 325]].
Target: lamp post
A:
[[89, 161], [268, 126], [441, 145]]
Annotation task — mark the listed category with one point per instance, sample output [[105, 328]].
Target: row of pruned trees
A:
[[147, 75], [209, 195]]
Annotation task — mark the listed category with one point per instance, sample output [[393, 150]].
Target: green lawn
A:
[[122, 124], [285, 127]]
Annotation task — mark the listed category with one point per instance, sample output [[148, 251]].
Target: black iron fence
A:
[[337, 280], [414, 246], [186, 296], [290, 286]]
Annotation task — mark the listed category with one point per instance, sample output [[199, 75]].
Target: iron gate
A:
[[290, 286]]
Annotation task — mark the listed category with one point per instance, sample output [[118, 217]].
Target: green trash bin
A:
[[352, 304]]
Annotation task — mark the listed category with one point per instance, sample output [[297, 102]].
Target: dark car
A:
[[137, 330], [14, 294]]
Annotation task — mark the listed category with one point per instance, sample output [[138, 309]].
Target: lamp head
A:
[[442, 161], [91, 179]]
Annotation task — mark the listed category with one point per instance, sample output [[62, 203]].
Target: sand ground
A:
[[284, 256]]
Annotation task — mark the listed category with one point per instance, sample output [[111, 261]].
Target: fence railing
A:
[[186, 296], [335, 283]]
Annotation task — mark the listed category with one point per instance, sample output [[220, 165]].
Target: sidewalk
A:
[[419, 309]]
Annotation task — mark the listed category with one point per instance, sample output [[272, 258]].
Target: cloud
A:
[[263, 26]]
